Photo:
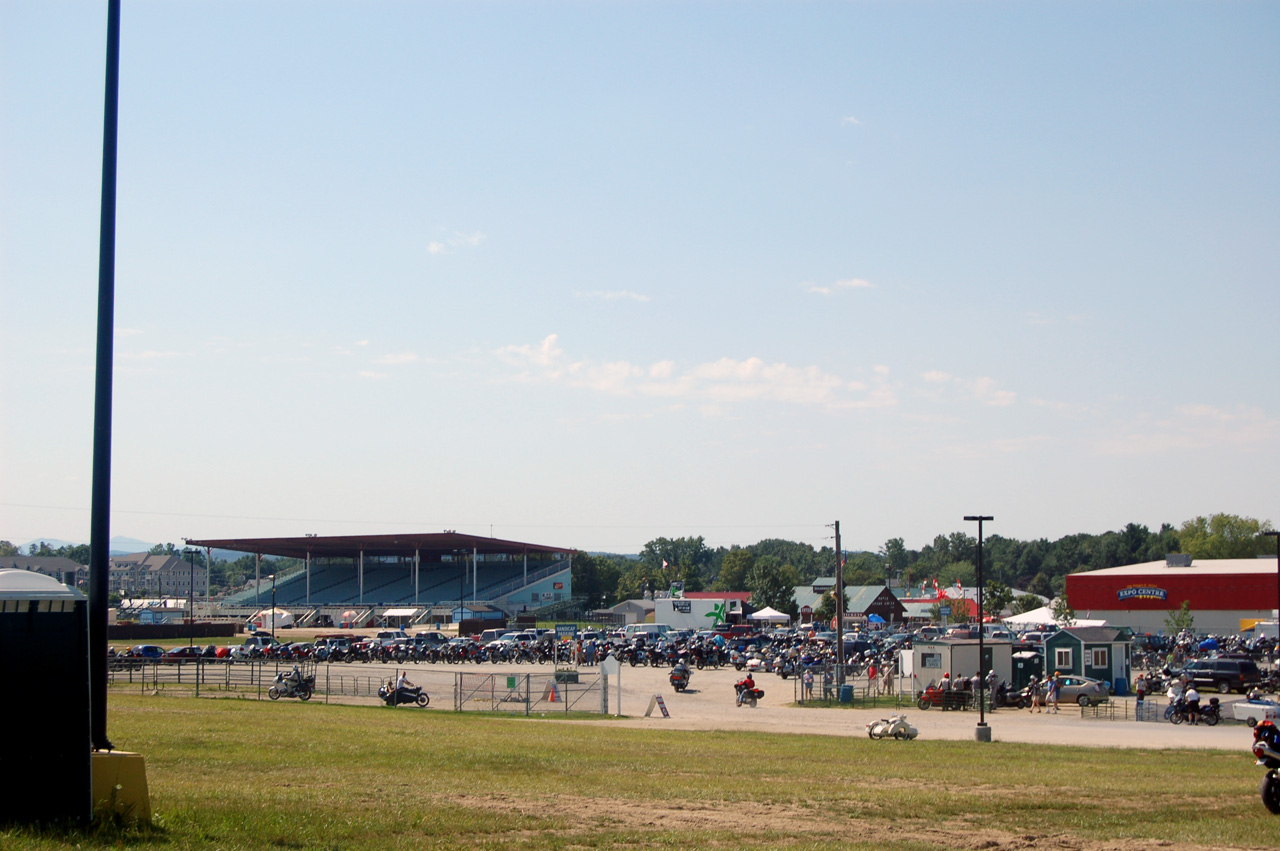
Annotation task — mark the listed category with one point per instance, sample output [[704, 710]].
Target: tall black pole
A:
[[1275, 536], [100, 500], [839, 609], [983, 733]]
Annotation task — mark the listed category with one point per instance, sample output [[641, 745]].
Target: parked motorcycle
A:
[[680, 677], [1180, 711], [1266, 750], [895, 726], [944, 698], [747, 695], [408, 696], [285, 685]]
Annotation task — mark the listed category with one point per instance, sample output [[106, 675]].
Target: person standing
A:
[[1140, 687], [1052, 694], [806, 680]]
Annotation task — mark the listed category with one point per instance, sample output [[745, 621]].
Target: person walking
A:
[[806, 680], [1052, 694]]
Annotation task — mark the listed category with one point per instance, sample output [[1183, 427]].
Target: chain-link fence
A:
[[558, 691], [525, 694]]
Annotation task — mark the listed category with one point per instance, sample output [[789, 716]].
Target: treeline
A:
[[771, 568]]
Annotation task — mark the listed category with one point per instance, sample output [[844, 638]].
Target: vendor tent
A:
[[272, 619], [1044, 616], [771, 615]]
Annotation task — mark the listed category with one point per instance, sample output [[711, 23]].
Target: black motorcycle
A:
[[1266, 750], [680, 677], [407, 696]]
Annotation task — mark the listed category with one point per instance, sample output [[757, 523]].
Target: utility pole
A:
[[839, 609]]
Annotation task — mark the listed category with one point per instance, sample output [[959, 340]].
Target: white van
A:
[[650, 631]]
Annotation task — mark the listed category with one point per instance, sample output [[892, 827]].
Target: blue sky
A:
[[591, 273]]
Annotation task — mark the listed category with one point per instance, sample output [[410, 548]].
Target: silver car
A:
[[1073, 688]]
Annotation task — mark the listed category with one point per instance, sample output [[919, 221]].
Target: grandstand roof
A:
[[438, 543]]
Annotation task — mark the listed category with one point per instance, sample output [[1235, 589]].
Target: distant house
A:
[[58, 567], [864, 600], [1100, 652], [627, 612], [146, 575]]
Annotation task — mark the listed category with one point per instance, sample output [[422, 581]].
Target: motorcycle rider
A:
[[293, 679], [402, 687], [745, 685], [1193, 704]]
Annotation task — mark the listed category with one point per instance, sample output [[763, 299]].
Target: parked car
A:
[[184, 653], [1085, 691], [146, 651], [1224, 675]]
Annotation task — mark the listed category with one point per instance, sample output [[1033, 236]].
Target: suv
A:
[[1225, 675]]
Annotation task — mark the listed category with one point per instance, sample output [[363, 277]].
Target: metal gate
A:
[[524, 694]]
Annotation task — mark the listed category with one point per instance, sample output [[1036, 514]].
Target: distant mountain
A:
[[117, 546]]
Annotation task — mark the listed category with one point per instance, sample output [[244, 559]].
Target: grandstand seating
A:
[[388, 585]]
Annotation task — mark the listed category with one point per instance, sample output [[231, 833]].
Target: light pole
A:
[[983, 733], [1276, 537], [191, 598]]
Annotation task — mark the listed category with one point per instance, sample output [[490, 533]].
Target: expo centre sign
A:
[[1142, 592]]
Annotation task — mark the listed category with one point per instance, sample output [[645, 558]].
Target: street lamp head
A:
[[978, 517]]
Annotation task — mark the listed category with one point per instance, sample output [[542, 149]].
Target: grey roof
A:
[[1093, 634], [32, 585]]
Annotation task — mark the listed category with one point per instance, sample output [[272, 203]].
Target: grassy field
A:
[[239, 774]]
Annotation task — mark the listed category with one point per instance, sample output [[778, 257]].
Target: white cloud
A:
[[1192, 427], [717, 383], [454, 241], [371, 375], [612, 296], [849, 119], [846, 284], [394, 360], [151, 354], [983, 389]]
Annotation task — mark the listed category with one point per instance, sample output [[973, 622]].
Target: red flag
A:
[[936, 590]]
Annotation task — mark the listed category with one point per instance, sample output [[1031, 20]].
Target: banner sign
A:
[[1142, 592], [684, 607]]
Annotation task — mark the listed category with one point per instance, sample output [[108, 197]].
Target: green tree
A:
[[1025, 603], [896, 557], [1063, 615], [1225, 536], [996, 597], [1040, 585], [826, 609], [734, 568], [1179, 619], [595, 577], [773, 584], [8, 549]]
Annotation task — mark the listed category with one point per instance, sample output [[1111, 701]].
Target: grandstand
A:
[[411, 575]]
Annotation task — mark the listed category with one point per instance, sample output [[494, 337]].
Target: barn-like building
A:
[[1225, 595]]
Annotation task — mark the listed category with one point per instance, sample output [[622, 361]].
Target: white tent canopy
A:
[[271, 619], [770, 614], [1044, 615]]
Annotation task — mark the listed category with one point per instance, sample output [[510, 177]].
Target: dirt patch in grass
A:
[[582, 815]]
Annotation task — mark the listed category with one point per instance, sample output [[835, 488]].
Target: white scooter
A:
[[895, 726]]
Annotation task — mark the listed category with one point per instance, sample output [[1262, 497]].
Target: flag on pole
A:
[[936, 590]]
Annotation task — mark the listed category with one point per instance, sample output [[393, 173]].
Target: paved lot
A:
[[708, 704]]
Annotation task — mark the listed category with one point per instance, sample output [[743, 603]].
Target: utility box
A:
[[45, 715]]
